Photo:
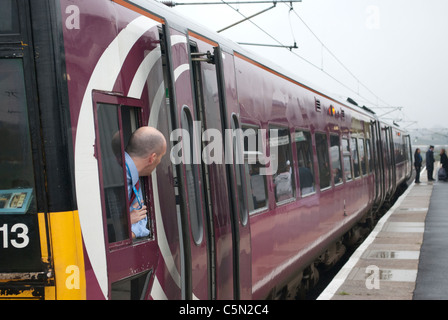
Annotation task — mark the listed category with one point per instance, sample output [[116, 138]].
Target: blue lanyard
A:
[[140, 203]]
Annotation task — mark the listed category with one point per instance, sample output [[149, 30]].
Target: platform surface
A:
[[406, 255]]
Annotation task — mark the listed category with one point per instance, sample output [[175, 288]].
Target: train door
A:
[[378, 164], [210, 262], [235, 170], [131, 254]]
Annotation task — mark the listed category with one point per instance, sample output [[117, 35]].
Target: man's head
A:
[[146, 147]]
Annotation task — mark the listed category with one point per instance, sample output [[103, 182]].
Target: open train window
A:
[[323, 160], [304, 148], [256, 188], [346, 152], [115, 125], [284, 184], [335, 155]]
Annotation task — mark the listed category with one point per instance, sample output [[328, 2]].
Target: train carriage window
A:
[[305, 158], [347, 160], [17, 189], [239, 171], [323, 160], [9, 17], [256, 189], [194, 189], [355, 156], [284, 183], [362, 156], [335, 154], [369, 156]]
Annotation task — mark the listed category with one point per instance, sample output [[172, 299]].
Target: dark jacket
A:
[[418, 160], [444, 161], [430, 159]]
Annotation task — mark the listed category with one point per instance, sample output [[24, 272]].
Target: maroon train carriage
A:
[[76, 74]]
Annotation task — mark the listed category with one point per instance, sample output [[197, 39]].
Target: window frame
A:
[[244, 125], [311, 160], [196, 219], [327, 158], [339, 160], [120, 102], [347, 154], [275, 126]]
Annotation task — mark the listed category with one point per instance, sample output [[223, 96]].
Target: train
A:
[[301, 176]]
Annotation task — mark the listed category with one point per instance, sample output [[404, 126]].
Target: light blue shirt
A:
[[138, 228]]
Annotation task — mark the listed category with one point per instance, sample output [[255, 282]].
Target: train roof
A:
[[180, 22]]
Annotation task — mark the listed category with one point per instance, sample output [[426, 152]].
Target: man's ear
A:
[[152, 158]]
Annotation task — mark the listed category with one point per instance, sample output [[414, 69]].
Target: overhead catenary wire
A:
[[335, 57], [297, 55]]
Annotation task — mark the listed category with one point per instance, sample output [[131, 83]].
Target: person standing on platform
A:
[[417, 164], [430, 162]]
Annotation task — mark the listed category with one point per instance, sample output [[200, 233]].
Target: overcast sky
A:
[[396, 51]]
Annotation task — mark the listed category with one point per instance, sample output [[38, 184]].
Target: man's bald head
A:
[[146, 141], [146, 147]]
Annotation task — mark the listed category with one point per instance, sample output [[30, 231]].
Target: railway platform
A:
[[406, 255]]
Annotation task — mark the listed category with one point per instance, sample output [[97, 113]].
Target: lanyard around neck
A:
[[140, 203]]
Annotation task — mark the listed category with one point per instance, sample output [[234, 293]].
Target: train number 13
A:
[[22, 233]]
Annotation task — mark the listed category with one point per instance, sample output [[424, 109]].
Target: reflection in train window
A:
[[284, 183], [322, 159], [193, 180], [16, 163], [335, 155], [305, 158], [9, 17], [355, 156], [255, 182], [239, 171], [362, 155], [194, 189], [369, 156], [347, 160]]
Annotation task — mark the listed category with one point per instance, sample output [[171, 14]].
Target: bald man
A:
[[144, 152]]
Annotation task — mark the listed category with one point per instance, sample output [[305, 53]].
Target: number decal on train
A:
[[22, 233]]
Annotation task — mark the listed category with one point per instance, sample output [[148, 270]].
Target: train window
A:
[[335, 155], [347, 160], [323, 160], [192, 180], [369, 156], [362, 156], [112, 140], [9, 17], [256, 187], [17, 189], [284, 183], [239, 174], [305, 158], [355, 156]]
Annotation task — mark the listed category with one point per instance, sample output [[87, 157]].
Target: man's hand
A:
[[138, 214]]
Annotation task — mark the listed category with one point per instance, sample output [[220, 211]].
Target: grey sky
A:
[[397, 49]]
